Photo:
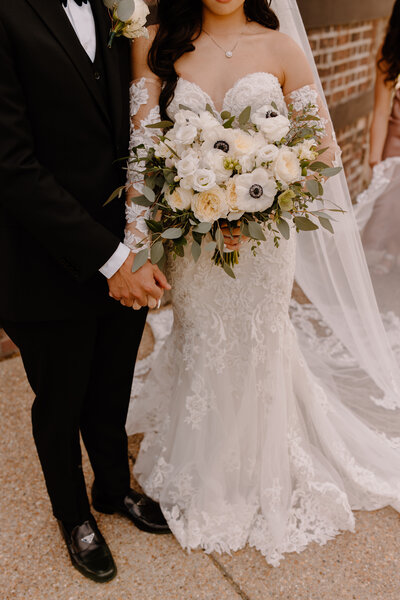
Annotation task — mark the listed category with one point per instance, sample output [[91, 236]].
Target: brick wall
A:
[[345, 56]]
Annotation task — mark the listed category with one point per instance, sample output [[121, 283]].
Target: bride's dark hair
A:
[[390, 60], [180, 23]]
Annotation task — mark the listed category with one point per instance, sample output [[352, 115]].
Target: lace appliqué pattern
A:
[[242, 444]]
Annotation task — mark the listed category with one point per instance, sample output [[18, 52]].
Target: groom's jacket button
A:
[[97, 75]]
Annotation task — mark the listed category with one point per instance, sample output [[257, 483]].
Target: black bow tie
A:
[[78, 2]]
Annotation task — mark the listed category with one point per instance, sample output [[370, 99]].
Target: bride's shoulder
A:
[[281, 43]]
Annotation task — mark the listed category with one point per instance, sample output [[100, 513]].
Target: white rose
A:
[[215, 160], [243, 143], [187, 117], [204, 180], [207, 122], [187, 165], [273, 125], [186, 183], [306, 150], [247, 162], [232, 200], [179, 199], [184, 134], [139, 14], [287, 166], [266, 154], [209, 206], [255, 191]]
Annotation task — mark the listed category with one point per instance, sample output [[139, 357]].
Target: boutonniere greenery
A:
[[128, 18]]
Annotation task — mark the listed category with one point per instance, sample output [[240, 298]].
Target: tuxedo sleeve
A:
[[31, 194]]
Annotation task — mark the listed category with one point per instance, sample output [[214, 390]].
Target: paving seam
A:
[[229, 577]]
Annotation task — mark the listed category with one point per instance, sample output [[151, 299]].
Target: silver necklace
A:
[[228, 53]]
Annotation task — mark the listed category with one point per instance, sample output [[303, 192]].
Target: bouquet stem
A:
[[230, 258]]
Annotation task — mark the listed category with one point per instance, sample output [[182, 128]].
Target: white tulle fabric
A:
[[248, 438], [378, 216]]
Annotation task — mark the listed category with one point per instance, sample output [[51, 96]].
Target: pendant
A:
[[229, 54]]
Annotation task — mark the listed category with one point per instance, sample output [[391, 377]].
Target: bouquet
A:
[[257, 170]]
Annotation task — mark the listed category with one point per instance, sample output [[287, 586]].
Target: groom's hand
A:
[[130, 288]]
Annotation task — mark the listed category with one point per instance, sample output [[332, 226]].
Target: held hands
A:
[[145, 287], [233, 237]]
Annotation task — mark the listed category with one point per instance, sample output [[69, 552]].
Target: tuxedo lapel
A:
[[52, 14], [111, 63]]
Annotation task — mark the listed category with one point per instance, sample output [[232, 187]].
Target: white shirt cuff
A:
[[115, 262]]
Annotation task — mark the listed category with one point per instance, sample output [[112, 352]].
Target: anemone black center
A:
[[271, 114], [256, 191], [221, 145]]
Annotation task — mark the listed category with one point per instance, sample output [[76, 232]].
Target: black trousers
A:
[[81, 373]]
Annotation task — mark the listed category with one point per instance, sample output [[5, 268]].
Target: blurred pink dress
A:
[[378, 214]]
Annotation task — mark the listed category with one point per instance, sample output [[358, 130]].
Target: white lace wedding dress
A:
[[242, 443]]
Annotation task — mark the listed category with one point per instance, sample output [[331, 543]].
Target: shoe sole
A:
[[109, 511]]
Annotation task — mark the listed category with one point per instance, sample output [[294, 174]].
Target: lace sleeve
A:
[[302, 98], [144, 94]]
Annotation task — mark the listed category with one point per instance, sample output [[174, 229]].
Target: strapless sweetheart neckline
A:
[[231, 89]]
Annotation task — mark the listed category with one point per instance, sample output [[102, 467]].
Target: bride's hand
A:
[[233, 237]]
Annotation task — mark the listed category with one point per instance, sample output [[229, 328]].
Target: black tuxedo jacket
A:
[[59, 139]]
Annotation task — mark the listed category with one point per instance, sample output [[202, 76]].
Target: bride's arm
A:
[[144, 110], [144, 98], [300, 90]]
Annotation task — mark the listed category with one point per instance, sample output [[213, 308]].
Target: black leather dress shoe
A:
[[89, 552], [141, 510]]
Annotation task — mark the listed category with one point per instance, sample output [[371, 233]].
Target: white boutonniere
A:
[[128, 18]]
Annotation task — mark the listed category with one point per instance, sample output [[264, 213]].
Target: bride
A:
[[261, 427]]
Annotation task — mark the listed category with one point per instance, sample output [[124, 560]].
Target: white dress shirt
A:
[[82, 20]]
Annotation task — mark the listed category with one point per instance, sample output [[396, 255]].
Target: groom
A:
[[64, 122]]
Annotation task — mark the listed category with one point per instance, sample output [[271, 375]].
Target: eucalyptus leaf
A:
[[111, 3], [140, 260], [125, 9], [321, 213], [184, 107], [180, 251], [225, 115], [219, 238], [157, 252], [211, 246], [160, 125], [154, 226], [313, 187], [202, 228], [244, 116], [196, 251], [228, 124], [284, 228], [116, 194], [210, 109], [149, 194], [256, 231], [244, 228], [304, 224], [173, 233], [228, 270], [326, 224], [142, 201], [318, 166], [331, 171]]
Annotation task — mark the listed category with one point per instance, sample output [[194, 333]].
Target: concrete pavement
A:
[[35, 565]]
